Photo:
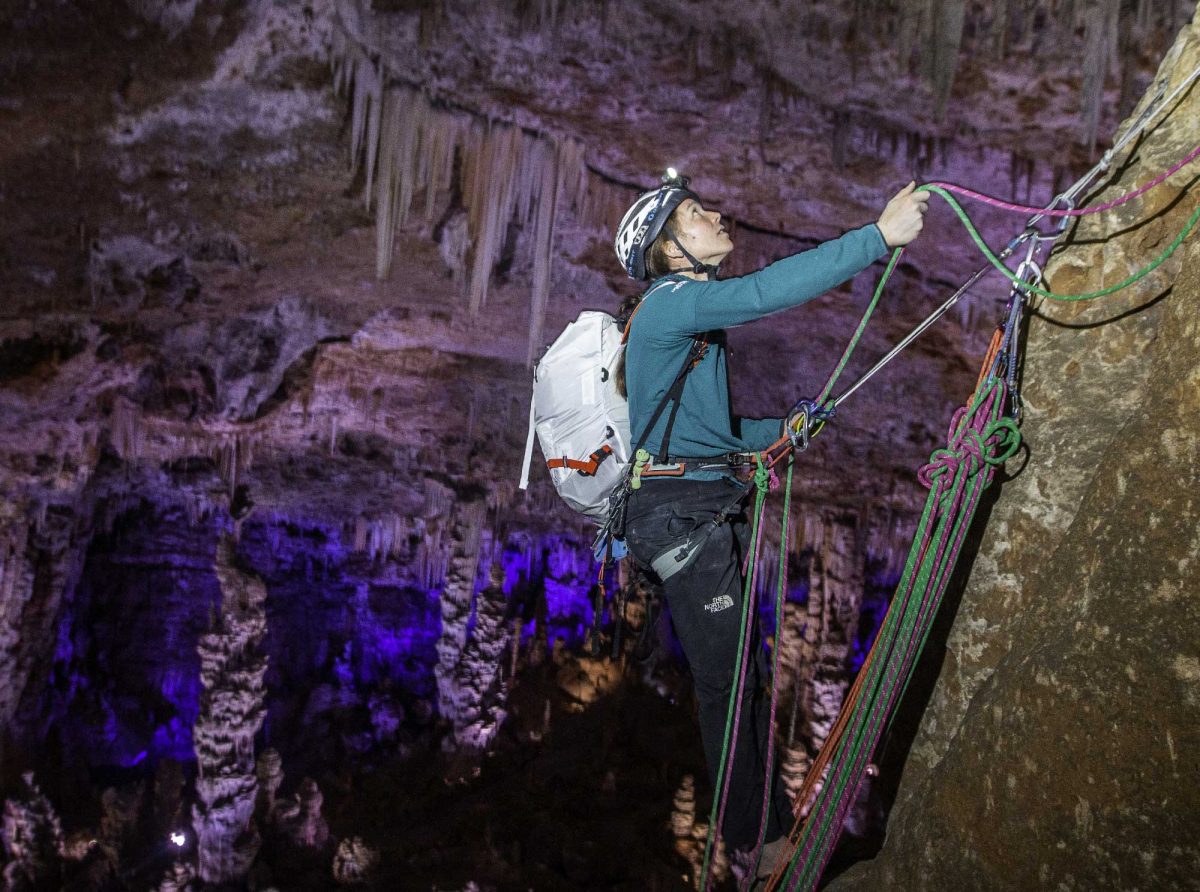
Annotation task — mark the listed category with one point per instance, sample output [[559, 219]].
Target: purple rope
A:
[[1071, 212]]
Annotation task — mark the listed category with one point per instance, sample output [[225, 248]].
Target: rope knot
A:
[[944, 464], [762, 474], [1002, 439]]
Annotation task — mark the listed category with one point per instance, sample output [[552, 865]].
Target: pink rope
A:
[[1071, 212]]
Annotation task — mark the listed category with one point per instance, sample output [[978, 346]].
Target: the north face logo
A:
[[719, 603]]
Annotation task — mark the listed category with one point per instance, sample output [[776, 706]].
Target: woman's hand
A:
[[902, 219]]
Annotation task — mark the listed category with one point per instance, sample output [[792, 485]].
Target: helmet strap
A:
[[708, 269]]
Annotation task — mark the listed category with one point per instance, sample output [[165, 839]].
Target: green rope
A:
[[900, 626], [780, 588], [922, 571], [862, 325], [1091, 295], [762, 479]]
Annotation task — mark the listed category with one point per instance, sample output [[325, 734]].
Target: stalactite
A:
[[946, 21], [381, 537], [232, 709], [456, 600], [508, 176], [1099, 49], [910, 28], [997, 36], [127, 429], [562, 176]]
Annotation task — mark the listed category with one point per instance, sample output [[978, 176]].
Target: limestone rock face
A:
[[1054, 752]]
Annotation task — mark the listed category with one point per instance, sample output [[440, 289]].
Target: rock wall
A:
[[1058, 746]]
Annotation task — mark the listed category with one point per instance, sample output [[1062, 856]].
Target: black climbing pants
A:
[[705, 600]]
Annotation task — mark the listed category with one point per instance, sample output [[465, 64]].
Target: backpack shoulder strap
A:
[[675, 391]]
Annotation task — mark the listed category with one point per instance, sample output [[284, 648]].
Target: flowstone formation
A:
[[1053, 752]]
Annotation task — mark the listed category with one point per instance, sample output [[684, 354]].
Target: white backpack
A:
[[581, 421]]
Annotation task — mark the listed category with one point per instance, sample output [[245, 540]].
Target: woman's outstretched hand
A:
[[902, 219]]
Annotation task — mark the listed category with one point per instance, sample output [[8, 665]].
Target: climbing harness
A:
[[982, 435]]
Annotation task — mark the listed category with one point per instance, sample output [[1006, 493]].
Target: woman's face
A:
[[701, 232]]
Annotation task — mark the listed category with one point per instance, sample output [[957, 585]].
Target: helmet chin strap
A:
[[709, 269]]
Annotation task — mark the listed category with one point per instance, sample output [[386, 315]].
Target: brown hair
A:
[[624, 312], [658, 264]]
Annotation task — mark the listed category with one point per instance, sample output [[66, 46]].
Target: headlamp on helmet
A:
[[645, 219]]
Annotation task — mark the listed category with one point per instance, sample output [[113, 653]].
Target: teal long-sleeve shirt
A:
[[678, 308]]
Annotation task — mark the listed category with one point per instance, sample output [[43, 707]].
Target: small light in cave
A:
[[179, 839], [672, 173]]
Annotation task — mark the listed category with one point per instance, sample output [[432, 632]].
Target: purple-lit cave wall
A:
[[125, 679], [350, 639], [881, 581], [549, 580]]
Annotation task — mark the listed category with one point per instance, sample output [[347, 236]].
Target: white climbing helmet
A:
[[645, 219]]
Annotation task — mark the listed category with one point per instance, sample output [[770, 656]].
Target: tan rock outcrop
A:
[[1053, 752]]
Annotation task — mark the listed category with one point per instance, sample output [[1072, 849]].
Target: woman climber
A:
[[675, 354]]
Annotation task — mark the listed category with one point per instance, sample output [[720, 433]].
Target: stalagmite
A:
[[683, 815], [33, 840], [354, 862], [300, 817], [691, 837], [178, 878], [41, 565], [232, 709], [480, 707], [455, 601], [269, 771], [794, 762], [121, 812], [835, 599], [173, 16]]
